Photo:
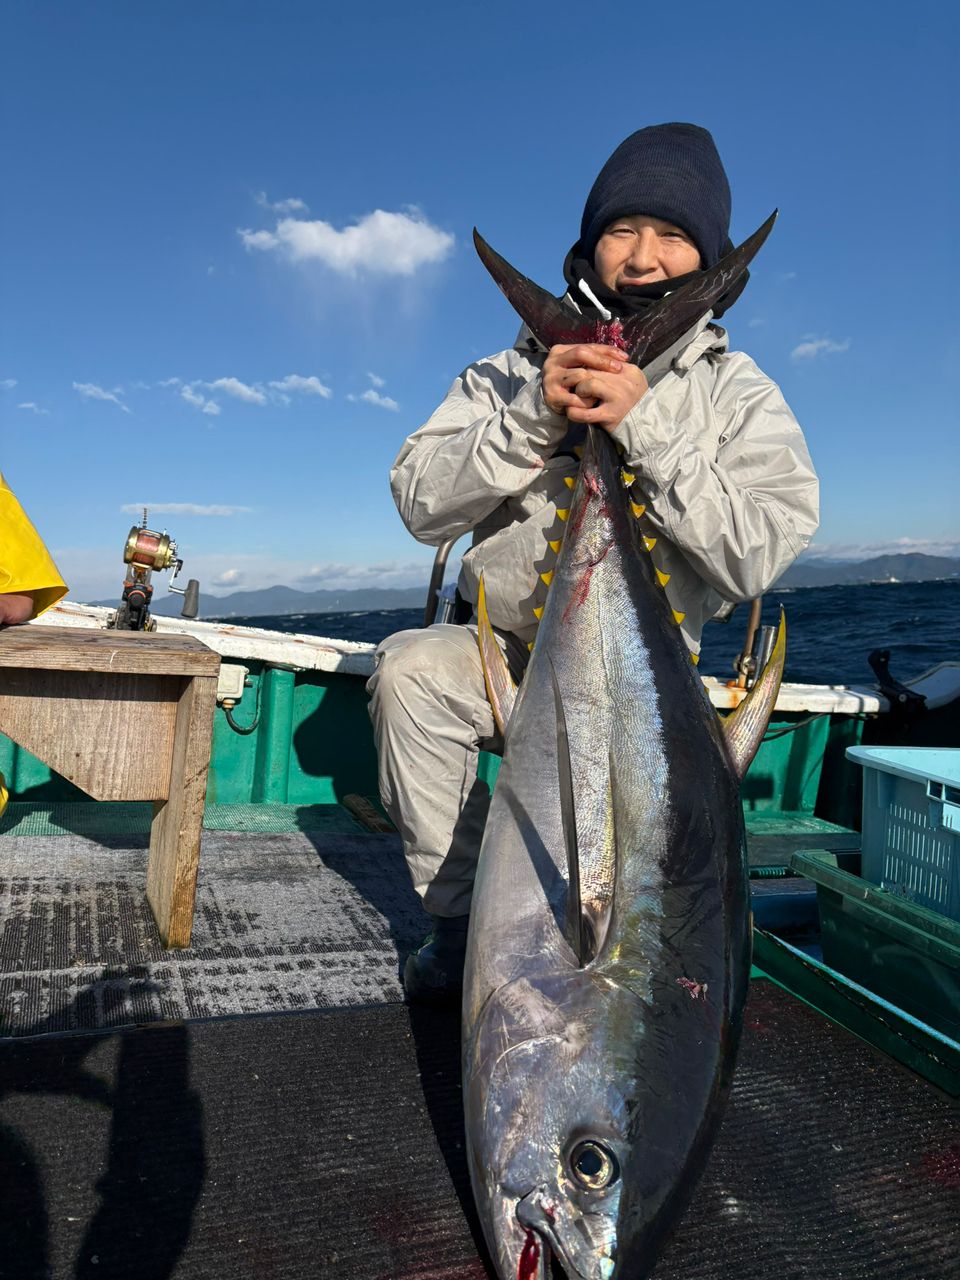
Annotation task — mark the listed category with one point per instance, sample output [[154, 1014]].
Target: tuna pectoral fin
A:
[[744, 728], [501, 690], [577, 928]]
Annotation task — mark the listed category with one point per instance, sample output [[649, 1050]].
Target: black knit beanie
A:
[[669, 171]]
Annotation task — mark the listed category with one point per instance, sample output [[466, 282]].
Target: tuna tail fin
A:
[[501, 690], [648, 335], [548, 319], [744, 728], [645, 336], [577, 929]]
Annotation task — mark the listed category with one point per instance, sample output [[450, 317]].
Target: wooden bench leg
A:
[[175, 833]]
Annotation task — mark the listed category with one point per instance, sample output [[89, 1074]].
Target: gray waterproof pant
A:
[[431, 717]]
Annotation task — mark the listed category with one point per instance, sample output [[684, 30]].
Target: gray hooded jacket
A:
[[720, 464]]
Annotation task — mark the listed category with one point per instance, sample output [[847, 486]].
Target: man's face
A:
[[641, 250]]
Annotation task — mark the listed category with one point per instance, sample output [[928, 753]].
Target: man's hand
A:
[[591, 382], [16, 608]]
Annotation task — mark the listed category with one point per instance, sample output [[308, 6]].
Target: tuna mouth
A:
[[535, 1213]]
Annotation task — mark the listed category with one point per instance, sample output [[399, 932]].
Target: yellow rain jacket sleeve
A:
[[25, 563]]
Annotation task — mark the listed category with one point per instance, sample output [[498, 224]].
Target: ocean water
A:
[[831, 630]]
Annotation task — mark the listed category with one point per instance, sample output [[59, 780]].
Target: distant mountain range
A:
[[280, 601], [910, 567]]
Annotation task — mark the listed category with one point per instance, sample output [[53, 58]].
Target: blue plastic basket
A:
[[911, 823]]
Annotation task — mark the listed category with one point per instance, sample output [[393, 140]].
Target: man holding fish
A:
[[719, 469]]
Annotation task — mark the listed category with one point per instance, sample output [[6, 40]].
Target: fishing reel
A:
[[145, 553]]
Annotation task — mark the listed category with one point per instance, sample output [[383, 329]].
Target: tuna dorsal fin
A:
[[744, 728], [501, 690], [576, 927]]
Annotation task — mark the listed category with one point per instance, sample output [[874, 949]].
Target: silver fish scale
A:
[[633, 1046], [613, 713]]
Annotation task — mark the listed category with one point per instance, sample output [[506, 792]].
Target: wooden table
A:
[[124, 715]]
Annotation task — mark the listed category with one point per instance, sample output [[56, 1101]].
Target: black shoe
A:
[[434, 974]]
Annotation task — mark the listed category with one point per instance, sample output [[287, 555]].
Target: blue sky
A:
[[237, 270]]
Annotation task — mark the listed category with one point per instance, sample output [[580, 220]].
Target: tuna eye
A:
[[594, 1166]]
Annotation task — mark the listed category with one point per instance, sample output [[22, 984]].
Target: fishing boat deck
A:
[[262, 1103], [298, 907]]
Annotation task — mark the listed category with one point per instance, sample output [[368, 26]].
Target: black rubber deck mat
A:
[[284, 922], [330, 1145]]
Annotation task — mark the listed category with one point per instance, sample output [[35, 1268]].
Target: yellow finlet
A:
[[637, 509], [547, 577], [562, 515], [569, 481], [555, 546], [538, 612], [662, 578], [530, 647], [695, 659], [649, 543], [627, 477], [678, 617], [578, 450]]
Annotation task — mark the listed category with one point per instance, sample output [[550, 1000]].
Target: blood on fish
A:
[[582, 589], [611, 334], [529, 1258], [696, 990], [580, 593], [592, 487]]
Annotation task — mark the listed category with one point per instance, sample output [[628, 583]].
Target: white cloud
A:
[[34, 408], [254, 572], [87, 570], [199, 401], [183, 509], [374, 397], [813, 347], [239, 390], [292, 205], [7, 384], [307, 386], [380, 243], [387, 573], [377, 380], [786, 276], [90, 391], [170, 382]]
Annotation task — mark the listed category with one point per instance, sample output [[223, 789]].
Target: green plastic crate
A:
[[911, 823], [905, 954]]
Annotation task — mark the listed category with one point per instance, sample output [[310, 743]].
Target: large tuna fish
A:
[[609, 943]]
